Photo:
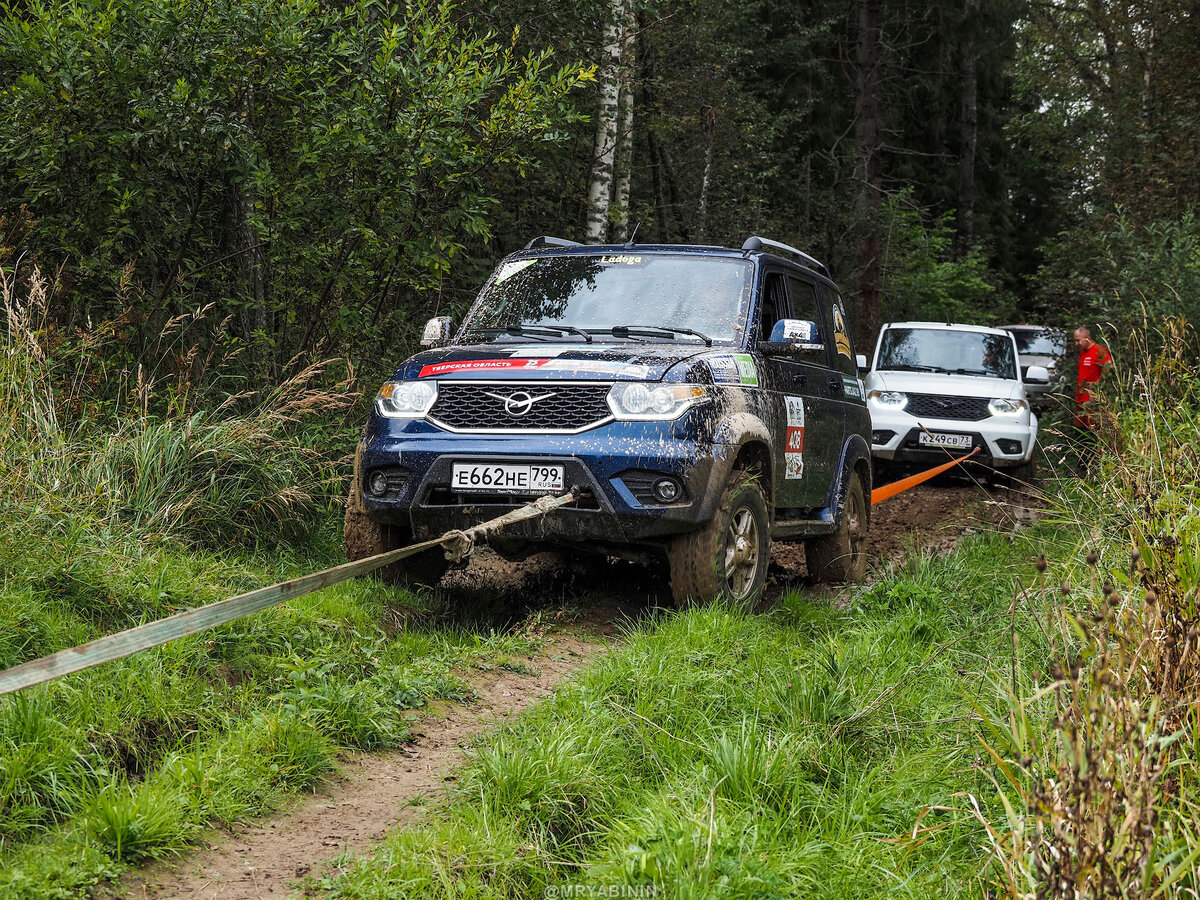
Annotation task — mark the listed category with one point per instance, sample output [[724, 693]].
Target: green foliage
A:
[[925, 280], [310, 168], [1118, 272]]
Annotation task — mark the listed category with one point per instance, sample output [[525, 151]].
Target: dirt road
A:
[[374, 793], [379, 791]]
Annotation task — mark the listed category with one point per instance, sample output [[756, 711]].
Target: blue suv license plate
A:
[[491, 478]]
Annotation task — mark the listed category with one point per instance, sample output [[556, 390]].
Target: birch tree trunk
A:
[[624, 154], [710, 128], [609, 78]]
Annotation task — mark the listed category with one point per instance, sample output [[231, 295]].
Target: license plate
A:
[[491, 478], [938, 439]]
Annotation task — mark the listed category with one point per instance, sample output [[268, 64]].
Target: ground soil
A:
[[582, 601]]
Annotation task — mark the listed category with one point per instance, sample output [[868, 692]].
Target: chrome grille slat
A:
[[936, 406], [479, 406]]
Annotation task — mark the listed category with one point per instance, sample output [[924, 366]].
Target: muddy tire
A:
[[842, 556], [364, 537], [728, 556]]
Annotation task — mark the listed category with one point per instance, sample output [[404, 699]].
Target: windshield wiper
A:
[[534, 330], [961, 371], [657, 331], [905, 368]]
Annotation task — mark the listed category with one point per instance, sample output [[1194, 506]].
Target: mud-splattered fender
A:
[[855, 451], [731, 434]]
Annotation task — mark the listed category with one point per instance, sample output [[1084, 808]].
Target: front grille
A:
[[966, 409], [562, 407]]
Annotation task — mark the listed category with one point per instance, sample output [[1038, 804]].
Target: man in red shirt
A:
[[1093, 359]]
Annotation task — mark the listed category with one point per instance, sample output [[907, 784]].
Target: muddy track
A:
[[379, 791], [373, 793]]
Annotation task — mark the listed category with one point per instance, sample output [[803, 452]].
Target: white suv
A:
[[940, 390]]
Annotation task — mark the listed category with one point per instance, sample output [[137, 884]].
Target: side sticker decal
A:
[[476, 365], [793, 442], [724, 369], [746, 368], [852, 387]]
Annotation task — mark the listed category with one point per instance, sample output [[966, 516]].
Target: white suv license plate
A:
[[939, 439], [490, 478]]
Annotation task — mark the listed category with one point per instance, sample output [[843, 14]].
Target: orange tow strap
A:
[[898, 487]]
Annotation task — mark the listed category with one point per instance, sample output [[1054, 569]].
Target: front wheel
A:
[[728, 556], [365, 537], [842, 556]]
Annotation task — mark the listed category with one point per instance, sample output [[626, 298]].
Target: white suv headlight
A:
[[889, 399], [1002, 407], [406, 399], [654, 402]]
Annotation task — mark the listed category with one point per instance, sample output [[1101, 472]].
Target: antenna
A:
[[629, 243]]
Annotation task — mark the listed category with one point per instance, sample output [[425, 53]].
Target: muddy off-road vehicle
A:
[[703, 400]]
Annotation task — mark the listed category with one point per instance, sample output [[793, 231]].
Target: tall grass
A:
[[128, 449], [1098, 761], [127, 494]]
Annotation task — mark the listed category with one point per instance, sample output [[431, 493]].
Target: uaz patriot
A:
[[703, 400]]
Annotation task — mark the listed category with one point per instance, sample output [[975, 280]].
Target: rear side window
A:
[[844, 344]]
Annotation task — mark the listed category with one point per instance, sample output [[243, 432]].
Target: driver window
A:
[[774, 305], [805, 306]]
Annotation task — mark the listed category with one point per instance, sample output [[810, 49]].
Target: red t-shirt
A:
[[1091, 366]]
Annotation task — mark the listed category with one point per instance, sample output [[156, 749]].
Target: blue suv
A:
[[703, 400]]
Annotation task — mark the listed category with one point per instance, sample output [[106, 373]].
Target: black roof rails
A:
[[546, 241], [758, 243]]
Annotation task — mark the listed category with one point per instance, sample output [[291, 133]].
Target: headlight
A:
[[1001, 407], [406, 399], [889, 399], [648, 402]]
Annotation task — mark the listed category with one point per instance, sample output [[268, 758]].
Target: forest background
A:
[[319, 179]]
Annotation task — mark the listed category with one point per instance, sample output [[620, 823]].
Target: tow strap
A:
[[457, 544], [899, 487]]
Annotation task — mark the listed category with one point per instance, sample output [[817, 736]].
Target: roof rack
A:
[[758, 243], [545, 240]]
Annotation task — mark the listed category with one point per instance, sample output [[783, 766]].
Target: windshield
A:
[[596, 293], [957, 352], [1040, 343]]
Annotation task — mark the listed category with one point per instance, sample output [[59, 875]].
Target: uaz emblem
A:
[[519, 403]]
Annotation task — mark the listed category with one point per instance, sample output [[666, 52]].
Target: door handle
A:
[[835, 384], [800, 378]]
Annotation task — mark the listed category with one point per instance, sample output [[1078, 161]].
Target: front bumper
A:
[[1002, 442], [613, 464]]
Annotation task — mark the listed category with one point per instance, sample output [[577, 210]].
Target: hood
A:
[[550, 362], [952, 385]]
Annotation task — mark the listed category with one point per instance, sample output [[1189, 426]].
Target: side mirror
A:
[[438, 332], [1037, 375], [797, 335], [860, 362]]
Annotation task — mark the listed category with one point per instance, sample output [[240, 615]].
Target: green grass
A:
[[134, 758], [722, 755]]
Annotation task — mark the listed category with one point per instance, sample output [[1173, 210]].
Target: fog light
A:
[[1008, 445], [882, 436], [666, 490], [379, 484]]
